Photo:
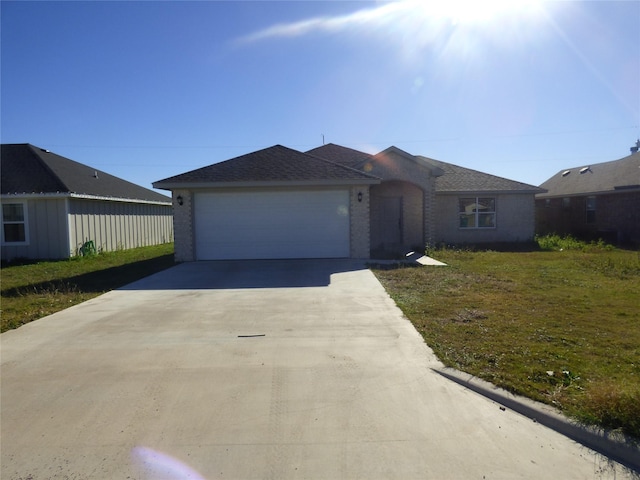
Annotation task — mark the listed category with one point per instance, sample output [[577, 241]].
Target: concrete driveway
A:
[[255, 370]]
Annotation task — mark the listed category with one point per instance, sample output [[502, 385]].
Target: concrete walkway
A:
[[263, 370]]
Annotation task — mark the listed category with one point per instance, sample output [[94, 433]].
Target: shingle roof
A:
[[342, 155], [26, 169], [617, 175], [454, 179], [273, 164], [364, 161], [461, 179]]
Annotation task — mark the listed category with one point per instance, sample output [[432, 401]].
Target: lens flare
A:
[[160, 466]]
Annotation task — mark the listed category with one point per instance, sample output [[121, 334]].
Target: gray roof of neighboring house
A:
[[615, 176], [26, 169], [273, 165], [460, 179]]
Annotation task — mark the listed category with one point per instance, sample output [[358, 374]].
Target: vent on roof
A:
[[45, 150], [566, 172], [95, 174], [585, 170]]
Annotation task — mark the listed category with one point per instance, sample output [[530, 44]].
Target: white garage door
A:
[[272, 224]]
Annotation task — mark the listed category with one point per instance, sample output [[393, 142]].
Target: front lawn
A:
[[562, 327], [34, 290]]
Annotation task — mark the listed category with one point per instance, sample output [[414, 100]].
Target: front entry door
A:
[[386, 224]]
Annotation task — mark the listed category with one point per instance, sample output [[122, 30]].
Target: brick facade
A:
[[183, 226], [359, 222], [616, 217], [429, 216], [515, 216], [415, 184], [411, 221]]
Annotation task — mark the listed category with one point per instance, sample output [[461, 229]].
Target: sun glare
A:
[[467, 28], [454, 25], [473, 11]]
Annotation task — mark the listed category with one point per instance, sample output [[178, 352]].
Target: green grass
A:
[[34, 290], [561, 327]]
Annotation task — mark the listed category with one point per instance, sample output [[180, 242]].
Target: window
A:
[[477, 212], [14, 223], [591, 210]]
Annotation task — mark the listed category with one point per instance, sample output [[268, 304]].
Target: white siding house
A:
[[52, 206]]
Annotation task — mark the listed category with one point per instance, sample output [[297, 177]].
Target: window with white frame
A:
[[477, 212], [14, 223]]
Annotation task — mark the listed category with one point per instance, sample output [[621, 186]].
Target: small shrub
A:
[[88, 249], [555, 242]]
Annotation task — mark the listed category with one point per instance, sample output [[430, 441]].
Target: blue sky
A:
[[146, 90]]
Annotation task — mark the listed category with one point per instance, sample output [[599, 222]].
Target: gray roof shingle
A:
[[26, 169], [454, 179], [273, 164], [342, 155], [616, 175], [461, 179]]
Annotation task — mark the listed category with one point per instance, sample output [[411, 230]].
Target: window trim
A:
[[477, 213], [25, 222]]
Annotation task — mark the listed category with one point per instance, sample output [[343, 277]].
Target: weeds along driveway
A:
[[277, 370]]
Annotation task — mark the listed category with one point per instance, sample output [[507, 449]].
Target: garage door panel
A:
[[278, 224]]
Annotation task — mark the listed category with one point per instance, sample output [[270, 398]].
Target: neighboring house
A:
[[593, 201], [334, 201], [53, 206]]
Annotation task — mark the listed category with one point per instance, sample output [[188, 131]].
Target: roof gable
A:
[[388, 159], [273, 165], [23, 172], [388, 164], [457, 179], [342, 155], [613, 176], [27, 169], [450, 178]]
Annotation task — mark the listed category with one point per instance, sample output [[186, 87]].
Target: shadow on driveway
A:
[[234, 274]]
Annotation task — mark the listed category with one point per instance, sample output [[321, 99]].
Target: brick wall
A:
[[515, 220], [616, 219], [429, 216], [183, 226], [359, 222], [413, 219]]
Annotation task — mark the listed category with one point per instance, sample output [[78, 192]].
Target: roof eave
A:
[[613, 191], [269, 184], [490, 192], [59, 195]]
